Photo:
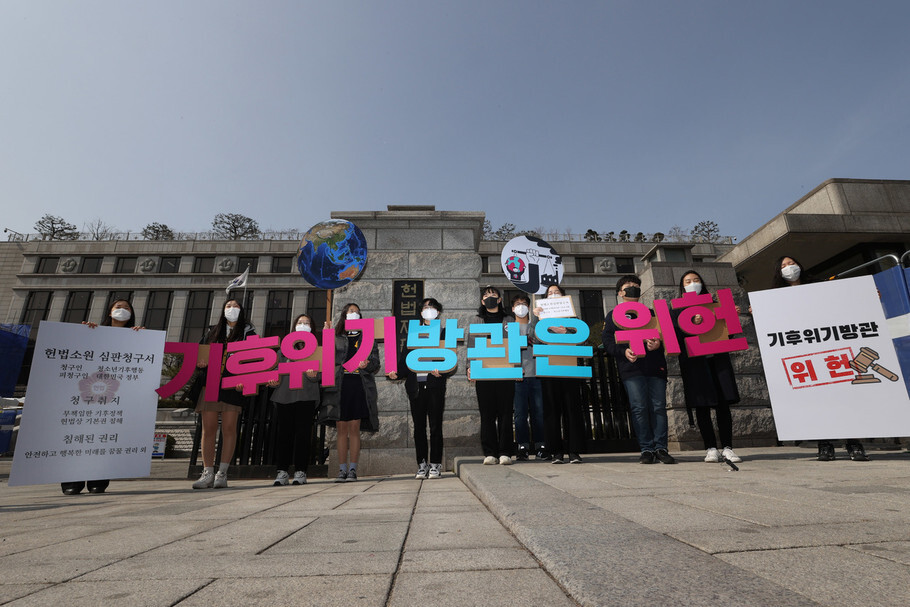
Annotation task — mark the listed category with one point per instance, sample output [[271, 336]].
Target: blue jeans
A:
[[648, 404], [529, 400]]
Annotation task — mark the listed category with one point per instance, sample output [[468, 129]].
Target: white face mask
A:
[[693, 287], [520, 310], [121, 314], [303, 327], [429, 313], [232, 314], [353, 315], [790, 273]]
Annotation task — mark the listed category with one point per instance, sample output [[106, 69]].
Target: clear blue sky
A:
[[634, 115]]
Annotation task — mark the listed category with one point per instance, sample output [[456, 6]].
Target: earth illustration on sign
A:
[[332, 254]]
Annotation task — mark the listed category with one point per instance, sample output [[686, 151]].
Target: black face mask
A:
[[633, 292], [490, 303]]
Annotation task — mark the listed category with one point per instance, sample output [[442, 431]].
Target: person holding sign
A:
[[645, 381], [295, 411], [529, 390], [427, 399], [789, 272], [231, 326], [353, 401], [562, 406], [708, 382], [120, 315], [494, 396]]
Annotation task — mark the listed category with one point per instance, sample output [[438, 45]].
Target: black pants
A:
[[562, 416], [428, 403], [706, 428], [294, 423], [494, 399]]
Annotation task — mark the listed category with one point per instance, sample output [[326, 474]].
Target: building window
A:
[[158, 310], [196, 321], [315, 308], [47, 265], [91, 265], [252, 262], [37, 305], [625, 265], [282, 265], [78, 305], [278, 313], [204, 265], [125, 265], [507, 296], [675, 255], [169, 265], [584, 265], [592, 307], [484, 264]]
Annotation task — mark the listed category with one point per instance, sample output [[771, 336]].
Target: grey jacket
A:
[[284, 394], [330, 411]]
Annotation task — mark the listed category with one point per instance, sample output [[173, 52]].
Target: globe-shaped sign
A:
[[332, 254]]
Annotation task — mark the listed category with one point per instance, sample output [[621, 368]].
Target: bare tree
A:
[[234, 226], [677, 234], [705, 231], [99, 230], [52, 227], [158, 231], [658, 237], [592, 236]]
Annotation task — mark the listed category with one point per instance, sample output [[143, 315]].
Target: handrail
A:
[[897, 262], [902, 257]]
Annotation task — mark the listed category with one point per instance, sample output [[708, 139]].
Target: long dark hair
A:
[[297, 320], [340, 325], [220, 331], [130, 323], [704, 285], [778, 280], [558, 288]]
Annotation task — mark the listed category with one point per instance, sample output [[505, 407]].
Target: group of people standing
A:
[[533, 416]]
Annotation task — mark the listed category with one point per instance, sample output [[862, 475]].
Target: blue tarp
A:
[[13, 342]]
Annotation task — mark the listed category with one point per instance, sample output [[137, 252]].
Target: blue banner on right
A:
[[892, 285]]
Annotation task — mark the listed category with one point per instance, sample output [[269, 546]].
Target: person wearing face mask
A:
[[427, 398], [120, 315], [562, 413], [708, 383], [788, 272], [295, 411], [231, 326], [352, 405], [494, 397], [645, 380], [528, 392]]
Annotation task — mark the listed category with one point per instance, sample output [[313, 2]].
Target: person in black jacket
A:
[[708, 382], [427, 398], [645, 381], [232, 326]]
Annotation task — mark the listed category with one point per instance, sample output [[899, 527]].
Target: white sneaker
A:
[[421, 471], [490, 460], [712, 456], [728, 453], [220, 481], [205, 481], [299, 478], [505, 460], [281, 479], [435, 470]]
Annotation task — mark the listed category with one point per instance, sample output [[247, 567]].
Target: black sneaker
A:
[[557, 459], [647, 457], [574, 458], [522, 454], [857, 453], [825, 452], [342, 477], [664, 457], [543, 455]]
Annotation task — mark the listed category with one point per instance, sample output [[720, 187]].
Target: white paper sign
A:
[[556, 307], [90, 405], [829, 361]]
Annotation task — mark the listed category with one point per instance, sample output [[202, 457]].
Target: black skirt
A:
[[353, 399]]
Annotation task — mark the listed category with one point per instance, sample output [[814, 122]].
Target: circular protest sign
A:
[[332, 254], [531, 264]]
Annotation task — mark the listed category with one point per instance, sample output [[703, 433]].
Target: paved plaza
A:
[[784, 530]]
